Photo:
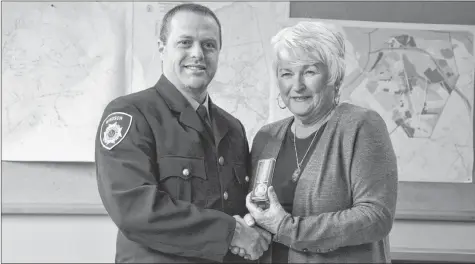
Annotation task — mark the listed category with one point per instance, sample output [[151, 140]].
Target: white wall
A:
[[88, 239], [58, 238]]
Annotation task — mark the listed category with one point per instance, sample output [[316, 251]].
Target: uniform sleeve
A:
[[127, 177], [374, 187]]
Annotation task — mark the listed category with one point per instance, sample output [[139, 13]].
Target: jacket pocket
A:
[[240, 174], [183, 178]]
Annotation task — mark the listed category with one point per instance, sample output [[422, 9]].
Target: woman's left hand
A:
[[270, 218]]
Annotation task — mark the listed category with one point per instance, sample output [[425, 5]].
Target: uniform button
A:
[[221, 161], [246, 179], [225, 195], [186, 172]]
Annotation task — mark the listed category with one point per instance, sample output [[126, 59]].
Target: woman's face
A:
[[304, 90]]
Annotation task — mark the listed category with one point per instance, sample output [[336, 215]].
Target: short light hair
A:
[[188, 7], [310, 43]]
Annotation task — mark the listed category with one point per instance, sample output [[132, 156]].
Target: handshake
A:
[[249, 241]]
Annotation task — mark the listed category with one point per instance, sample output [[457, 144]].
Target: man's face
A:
[[190, 56]]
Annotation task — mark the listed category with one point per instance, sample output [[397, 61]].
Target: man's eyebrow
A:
[[204, 39], [210, 39], [185, 36]]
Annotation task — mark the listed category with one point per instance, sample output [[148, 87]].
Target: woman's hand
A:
[[270, 218], [265, 239]]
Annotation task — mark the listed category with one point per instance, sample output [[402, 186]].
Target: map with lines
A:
[[61, 64], [422, 83], [241, 84]]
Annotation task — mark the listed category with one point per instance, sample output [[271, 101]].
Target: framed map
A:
[[61, 64], [420, 79]]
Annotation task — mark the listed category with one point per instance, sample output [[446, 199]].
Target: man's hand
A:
[[270, 218], [249, 242]]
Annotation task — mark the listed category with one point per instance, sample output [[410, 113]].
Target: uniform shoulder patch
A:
[[114, 128]]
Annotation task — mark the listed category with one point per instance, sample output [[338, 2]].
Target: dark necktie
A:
[[203, 114]]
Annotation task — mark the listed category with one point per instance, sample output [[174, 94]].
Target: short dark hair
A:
[[191, 7]]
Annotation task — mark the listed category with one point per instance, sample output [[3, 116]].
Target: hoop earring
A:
[[278, 102], [336, 98]]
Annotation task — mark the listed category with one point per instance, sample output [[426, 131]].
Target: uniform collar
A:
[[176, 99], [195, 104], [177, 102]]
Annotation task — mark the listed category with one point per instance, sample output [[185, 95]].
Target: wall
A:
[[76, 228], [91, 238], [58, 238]]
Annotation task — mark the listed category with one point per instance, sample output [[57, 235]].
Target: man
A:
[[171, 180]]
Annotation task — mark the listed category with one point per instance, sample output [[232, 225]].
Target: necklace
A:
[[298, 170]]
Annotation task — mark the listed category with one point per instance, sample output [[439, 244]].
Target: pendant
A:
[[296, 174]]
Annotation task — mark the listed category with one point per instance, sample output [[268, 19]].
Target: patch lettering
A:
[[114, 128]]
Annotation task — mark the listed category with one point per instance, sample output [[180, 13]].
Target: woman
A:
[[335, 180]]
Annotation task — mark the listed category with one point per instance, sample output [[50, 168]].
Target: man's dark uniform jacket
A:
[[170, 188]]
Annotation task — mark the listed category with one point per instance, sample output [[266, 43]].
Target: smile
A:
[[196, 67], [300, 98]]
